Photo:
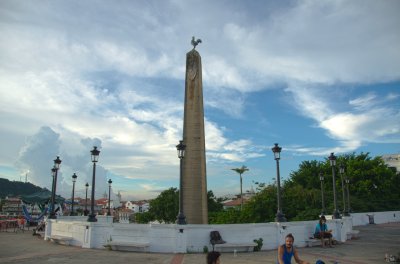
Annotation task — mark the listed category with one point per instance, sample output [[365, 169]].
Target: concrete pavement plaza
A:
[[373, 242]]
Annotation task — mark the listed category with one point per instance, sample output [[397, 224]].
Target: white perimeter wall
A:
[[379, 217], [192, 238]]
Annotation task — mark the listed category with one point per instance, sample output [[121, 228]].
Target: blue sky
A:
[[314, 76]]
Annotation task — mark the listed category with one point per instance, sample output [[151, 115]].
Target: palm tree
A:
[[241, 171]]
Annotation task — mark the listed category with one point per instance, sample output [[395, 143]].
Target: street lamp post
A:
[[56, 167], [109, 196], [348, 195], [73, 193], [181, 218], [321, 178], [342, 170], [280, 217], [95, 157], [53, 175], [86, 210], [332, 159]]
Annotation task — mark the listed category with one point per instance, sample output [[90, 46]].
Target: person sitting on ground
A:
[[287, 251], [321, 231], [213, 257]]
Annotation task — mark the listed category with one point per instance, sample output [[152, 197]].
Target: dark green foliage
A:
[[301, 203], [16, 188], [144, 218], [205, 249], [373, 187], [166, 206], [229, 216], [262, 207], [214, 203], [259, 243]]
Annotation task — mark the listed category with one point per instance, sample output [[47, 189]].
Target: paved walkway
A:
[[373, 242]]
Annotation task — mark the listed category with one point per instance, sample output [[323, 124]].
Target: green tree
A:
[[144, 218], [241, 170], [214, 203], [262, 207], [301, 203], [373, 186], [229, 216], [307, 175], [165, 207]]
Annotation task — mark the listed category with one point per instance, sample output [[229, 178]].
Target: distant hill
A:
[[16, 188]]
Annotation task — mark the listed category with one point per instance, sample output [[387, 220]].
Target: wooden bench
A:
[[235, 247], [66, 240], [311, 241], [352, 234], [128, 246]]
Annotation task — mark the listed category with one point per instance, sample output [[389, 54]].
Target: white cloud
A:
[[323, 42], [363, 102], [234, 151], [376, 123], [38, 154], [215, 139], [318, 42], [219, 73], [130, 60], [392, 96], [310, 101]]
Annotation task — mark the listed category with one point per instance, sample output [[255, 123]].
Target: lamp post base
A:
[[52, 216], [181, 219], [280, 217], [92, 218], [336, 215]]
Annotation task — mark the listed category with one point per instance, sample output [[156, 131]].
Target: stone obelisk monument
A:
[[194, 164]]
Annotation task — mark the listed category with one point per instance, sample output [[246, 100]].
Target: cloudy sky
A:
[[314, 76]]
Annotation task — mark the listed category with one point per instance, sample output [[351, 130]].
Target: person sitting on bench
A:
[[321, 231]]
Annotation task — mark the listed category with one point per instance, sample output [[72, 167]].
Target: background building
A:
[[392, 160]]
